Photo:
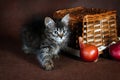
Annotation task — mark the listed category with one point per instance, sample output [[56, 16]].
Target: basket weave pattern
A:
[[100, 29]]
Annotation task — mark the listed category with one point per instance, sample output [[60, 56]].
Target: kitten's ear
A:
[[66, 19], [49, 22]]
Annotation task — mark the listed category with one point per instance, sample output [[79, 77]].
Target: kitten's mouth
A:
[[61, 37], [60, 40]]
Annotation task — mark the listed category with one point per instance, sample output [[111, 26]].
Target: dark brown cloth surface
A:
[[15, 65]]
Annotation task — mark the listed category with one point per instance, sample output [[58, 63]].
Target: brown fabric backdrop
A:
[[14, 13]]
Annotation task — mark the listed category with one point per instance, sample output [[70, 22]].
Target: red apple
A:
[[114, 51], [88, 52]]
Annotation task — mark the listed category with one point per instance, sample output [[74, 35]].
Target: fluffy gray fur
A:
[[46, 40]]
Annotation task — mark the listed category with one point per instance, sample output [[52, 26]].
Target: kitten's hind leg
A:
[[26, 49], [45, 59]]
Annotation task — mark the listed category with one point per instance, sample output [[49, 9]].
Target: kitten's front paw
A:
[[48, 65]]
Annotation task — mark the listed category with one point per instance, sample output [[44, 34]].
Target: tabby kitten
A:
[[46, 40]]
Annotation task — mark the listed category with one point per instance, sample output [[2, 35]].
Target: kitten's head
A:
[[59, 30]]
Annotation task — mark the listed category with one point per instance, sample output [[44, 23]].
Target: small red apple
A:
[[88, 52]]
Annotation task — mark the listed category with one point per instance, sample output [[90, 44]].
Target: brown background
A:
[[14, 13], [15, 65]]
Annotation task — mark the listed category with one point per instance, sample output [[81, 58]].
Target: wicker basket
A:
[[96, 26]]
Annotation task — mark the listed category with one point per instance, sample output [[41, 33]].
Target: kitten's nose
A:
[[61, 35]]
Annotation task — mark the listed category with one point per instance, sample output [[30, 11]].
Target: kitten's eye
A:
[[55, 32], [64, 31]]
